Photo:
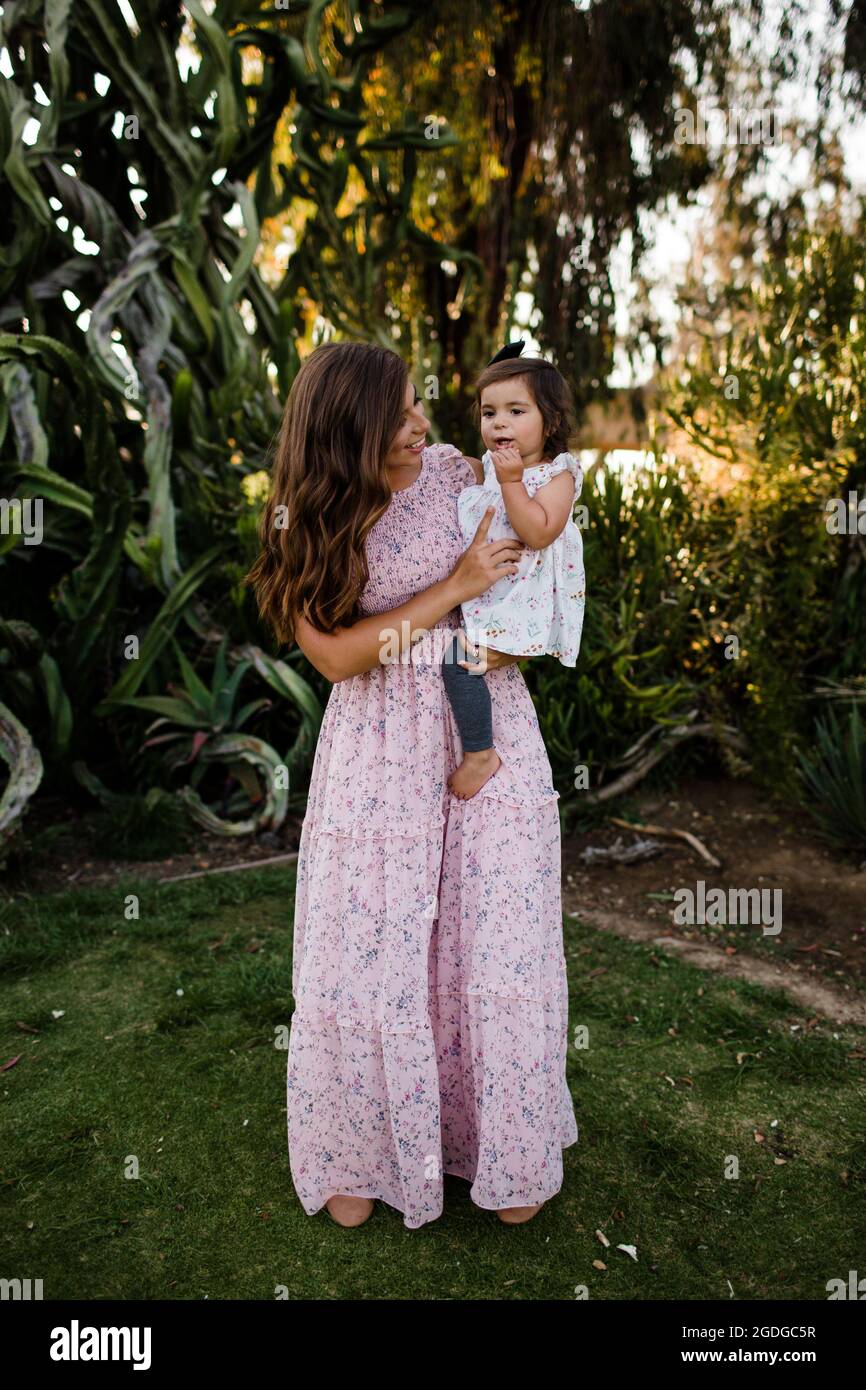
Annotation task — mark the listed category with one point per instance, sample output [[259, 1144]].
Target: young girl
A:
[[525, 411]]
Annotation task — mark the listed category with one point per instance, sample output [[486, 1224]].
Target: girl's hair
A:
[[551, 392], [329, 486]]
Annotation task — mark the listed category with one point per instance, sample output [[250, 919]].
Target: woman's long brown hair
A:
[[329, 486]]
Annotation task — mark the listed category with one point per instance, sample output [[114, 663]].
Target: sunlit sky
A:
[[671, 232]]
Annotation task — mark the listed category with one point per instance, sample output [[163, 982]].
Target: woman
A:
[[431, 1008]]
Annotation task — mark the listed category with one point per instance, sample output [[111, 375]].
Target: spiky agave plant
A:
[[206, 727], [833, 776]]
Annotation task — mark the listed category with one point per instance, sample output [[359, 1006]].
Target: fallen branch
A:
[[618, 853], [232, 868], [680, 834], [630, 755], [724, 733]]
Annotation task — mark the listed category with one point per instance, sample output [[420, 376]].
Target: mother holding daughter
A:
[[430, 1026]]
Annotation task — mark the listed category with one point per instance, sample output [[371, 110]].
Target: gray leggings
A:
[[470, 700]]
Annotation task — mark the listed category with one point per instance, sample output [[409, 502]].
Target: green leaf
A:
[[162, 628]]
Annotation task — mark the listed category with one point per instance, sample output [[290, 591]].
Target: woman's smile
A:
[[407, 444]]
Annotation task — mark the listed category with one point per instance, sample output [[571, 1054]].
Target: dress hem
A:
[[376, 1195]]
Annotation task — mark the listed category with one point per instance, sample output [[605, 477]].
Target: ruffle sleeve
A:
[[451, 466], [560, 464]]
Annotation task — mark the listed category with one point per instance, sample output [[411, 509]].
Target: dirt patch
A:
[[811, 992], [822, 941], [64, 865]]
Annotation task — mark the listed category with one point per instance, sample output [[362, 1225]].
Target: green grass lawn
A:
[[166, 1052]]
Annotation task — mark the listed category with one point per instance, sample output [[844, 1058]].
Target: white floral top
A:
[[539, 610]]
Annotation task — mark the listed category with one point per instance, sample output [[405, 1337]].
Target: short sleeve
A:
[[456, 472], [561, 464]]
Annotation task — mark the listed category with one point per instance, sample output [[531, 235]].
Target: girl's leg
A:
[[470, 701]]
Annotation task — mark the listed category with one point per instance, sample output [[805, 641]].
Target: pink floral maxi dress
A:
[[430, 1026]]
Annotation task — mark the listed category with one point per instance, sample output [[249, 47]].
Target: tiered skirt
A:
[[430, 1027]]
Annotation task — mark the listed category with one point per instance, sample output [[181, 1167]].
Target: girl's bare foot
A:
[[349, 1211], [515, 1216], [473, 772]]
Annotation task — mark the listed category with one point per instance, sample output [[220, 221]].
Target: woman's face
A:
[[510, 418], [405, 448]]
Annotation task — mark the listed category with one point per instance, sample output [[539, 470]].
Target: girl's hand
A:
[[483, 562], [508, 465], [484, 658]]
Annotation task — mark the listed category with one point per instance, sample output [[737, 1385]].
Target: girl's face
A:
[[510, 418], [405, 448]]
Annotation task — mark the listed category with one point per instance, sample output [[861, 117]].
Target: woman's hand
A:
[[483, 562], [484, 658]]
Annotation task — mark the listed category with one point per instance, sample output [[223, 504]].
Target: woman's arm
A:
[[352, 650]]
